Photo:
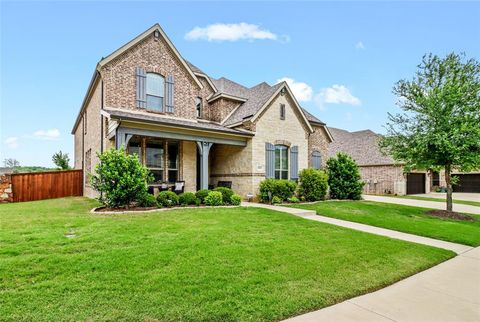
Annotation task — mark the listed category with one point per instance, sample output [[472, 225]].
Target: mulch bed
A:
[[450, 215], [106, 209]]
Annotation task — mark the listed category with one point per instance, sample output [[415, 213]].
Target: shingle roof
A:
[[311, 117], [194, 68], [256, 97], [362, 146], [159, 119]]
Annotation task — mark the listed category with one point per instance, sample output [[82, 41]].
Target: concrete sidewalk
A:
[[423, 203], [447, 292], [312, 215]]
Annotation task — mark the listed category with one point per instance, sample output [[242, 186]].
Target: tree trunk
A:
[[448, 180]]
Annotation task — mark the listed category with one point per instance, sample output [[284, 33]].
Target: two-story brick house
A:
[[187, 126]]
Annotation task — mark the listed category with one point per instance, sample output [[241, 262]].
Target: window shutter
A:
[[141, 88], [294, 162], [269, 160], [316, 160], [169, 95]]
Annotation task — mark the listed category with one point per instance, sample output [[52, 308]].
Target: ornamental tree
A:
[[120, 178], [440, 124]]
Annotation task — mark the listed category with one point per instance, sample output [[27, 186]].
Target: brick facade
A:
[[383, 179], [244, 166], [318, 141]]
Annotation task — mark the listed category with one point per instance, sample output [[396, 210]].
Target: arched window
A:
[[155, 92], [281, 162]]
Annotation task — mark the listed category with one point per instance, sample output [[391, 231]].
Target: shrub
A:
[[120, 178], [227, 193], [313, 184], [147, 201], [167, 199], [235, 200], [276, 199], [198, 202], [281, 188], [344, 178], [214, 198], [187, 198], [293, 200], [202, 194]]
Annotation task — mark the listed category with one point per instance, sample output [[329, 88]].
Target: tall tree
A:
[[11, 163], [61, 160], [440, 124]]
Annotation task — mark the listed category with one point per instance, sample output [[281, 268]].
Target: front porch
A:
[[175, 153]]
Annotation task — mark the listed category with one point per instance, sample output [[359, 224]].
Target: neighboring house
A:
[[186, 126], [382, 175]]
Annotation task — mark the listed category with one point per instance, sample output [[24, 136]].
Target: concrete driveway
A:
[[423, 203], [456, 195]]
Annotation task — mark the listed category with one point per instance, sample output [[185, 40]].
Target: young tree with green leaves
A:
[[440, 124], [61, 160]]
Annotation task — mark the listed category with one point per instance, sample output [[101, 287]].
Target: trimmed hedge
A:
[[235, 200], [280, 188], [313, 184], [214, 198], [202, 194], [227, 193], [147, 201], [167, 199], [187, 198]]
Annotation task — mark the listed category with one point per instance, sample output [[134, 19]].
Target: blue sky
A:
[[343, 57]]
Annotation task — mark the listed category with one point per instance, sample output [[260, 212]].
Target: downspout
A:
[[102, 134], [101, 122]]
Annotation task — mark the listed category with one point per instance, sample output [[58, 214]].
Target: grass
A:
[[455, 201], [219, 264], [406, 219]]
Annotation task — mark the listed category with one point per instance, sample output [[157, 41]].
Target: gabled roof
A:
[[256, 97], [142, 36], [362, 146]]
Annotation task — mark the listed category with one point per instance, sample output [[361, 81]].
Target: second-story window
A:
[[155, 92], [199, 106]]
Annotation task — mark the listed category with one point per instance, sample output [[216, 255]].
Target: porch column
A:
[[204, 149]]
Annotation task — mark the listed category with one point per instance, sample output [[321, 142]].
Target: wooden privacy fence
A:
[[46, 185]]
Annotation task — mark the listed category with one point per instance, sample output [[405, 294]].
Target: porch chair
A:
[[226, 184], [179, 187]]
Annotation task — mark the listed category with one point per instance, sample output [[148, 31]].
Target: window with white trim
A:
[[281, 162], [155, 90]]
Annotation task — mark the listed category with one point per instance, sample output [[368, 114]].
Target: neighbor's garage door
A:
[[415, 183], [467, 183]]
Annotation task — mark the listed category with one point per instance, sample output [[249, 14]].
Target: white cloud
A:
[[360, 45], [12, 142], [52, 134], [230, 32], [337, 94], [302, 91]]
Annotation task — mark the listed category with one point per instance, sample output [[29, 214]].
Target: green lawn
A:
[[455, 201], [402, 218], [193, 264]]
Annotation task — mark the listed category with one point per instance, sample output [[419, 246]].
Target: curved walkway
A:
[[423, 203], [449, 291], [312, 215]]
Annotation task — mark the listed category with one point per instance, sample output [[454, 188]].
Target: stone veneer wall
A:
[[188, 165], [6, 192]]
